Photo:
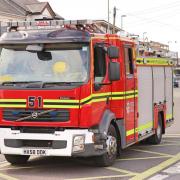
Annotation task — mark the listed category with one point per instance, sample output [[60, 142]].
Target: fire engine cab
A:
[[69, 89]]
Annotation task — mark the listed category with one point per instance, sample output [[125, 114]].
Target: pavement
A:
[[137, 162]]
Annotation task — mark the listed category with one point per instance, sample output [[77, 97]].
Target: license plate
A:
[[38, 152]]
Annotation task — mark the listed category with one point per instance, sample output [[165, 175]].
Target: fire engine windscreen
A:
[[69, 63]]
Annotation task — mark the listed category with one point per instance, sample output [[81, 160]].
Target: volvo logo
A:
[[34, 115]]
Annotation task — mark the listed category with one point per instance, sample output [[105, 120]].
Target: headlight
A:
[[78, 143], [78, 140]]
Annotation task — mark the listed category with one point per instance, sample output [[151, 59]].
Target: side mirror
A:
[[114, 71], [113, 52]]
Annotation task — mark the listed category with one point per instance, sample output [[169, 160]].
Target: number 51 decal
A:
[[33, 101]]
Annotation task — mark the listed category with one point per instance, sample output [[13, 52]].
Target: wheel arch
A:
[[109, 118]]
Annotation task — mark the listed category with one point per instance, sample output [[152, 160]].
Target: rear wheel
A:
[[16, 159], [109, 157], [156, 138]]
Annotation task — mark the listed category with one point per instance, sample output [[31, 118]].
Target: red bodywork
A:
[[90, 114]]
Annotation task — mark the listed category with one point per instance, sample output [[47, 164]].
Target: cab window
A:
[[128, 55], [99, 64]]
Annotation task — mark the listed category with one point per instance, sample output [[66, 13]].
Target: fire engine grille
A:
[[54, 116], [18, 143]]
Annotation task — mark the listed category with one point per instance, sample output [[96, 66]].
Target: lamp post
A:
[[144, 36], [122, 16], [144, 46], [114, 19], [108, 16]]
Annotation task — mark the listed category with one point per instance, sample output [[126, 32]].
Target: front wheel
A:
[[156, 138], [16, 159], [109, 157]]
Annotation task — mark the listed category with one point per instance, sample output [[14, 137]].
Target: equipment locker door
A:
[[129, 94]]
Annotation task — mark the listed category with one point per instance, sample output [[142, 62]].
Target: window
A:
[[70, 63], [99, 64], [128, 55]]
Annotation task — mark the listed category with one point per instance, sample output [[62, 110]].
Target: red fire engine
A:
[[68, 89]]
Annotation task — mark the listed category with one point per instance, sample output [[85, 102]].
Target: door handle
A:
[[107, 100]]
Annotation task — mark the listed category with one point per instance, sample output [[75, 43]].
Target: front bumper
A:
[[16, 143]]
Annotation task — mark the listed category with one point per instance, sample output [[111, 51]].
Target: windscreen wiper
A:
[[60, 83], [11, 83]]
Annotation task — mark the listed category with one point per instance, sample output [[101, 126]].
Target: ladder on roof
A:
[[83, 25]]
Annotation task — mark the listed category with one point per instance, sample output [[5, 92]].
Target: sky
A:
[[159, 20]]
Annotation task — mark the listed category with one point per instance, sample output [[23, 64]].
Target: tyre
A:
[[109, 158], [156, 138], [16, 159]]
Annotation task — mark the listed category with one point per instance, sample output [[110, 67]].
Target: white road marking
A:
[[175, 169], [159, 177]]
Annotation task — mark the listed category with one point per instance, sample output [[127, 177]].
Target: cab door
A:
[[129, 102], [101, 88]]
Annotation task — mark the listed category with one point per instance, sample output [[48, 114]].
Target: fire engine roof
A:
[[45, 36], [53, 36]]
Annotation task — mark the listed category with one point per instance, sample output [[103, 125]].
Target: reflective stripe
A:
[[99, 100], [85, 99], [62, 106], [118, 98], [119, 93], [69, 103], [99, 97], [61, 100], [12, 105], [154, 61], [101, 94], [146, 126], [13, 100], [140, 128], [130, 132], [169, 116]]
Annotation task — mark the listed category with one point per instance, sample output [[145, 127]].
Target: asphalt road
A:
[[137, 162]]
